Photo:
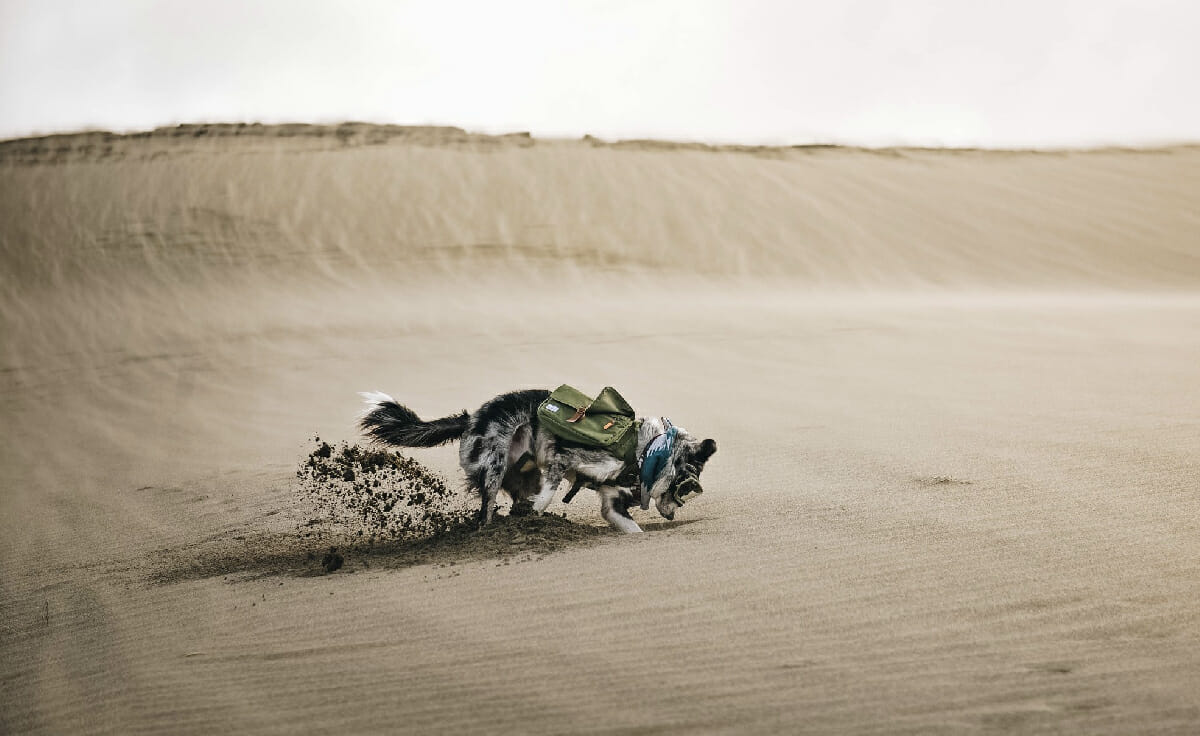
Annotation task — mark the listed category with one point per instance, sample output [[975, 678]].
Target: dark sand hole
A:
[[935, 481]]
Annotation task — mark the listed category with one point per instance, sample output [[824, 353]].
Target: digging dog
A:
[[504, 448]]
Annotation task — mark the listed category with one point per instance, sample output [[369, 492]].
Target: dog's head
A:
[[679, 479]]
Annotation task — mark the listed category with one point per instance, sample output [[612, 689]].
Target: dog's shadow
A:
[[664, 525], [309, 552]]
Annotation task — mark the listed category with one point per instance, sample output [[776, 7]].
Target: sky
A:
[[1049, 73]]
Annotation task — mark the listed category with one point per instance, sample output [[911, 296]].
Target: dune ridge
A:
[[829, 218]]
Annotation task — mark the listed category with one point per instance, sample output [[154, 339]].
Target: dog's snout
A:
[[670, 516]]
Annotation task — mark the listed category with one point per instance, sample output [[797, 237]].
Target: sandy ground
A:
[[956, 396]]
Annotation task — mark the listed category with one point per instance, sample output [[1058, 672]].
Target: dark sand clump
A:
[[365, 508], [377, 495]]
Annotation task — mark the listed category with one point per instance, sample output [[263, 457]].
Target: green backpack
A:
[[606, 422]]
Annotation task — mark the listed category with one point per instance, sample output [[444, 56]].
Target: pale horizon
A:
[[1027, 75]]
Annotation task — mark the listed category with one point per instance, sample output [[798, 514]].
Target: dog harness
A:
[[650, 464], [609, 423]]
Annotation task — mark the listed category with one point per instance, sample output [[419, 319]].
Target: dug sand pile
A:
[[359, 508]]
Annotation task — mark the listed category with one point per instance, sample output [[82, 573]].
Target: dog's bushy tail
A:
[[395, 424]]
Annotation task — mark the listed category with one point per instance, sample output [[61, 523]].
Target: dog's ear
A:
[[707, 449]]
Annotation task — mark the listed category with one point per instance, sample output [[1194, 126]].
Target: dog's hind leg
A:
[[487, 507], [615, 510], [522, 479], [488, 480], [552, 476]]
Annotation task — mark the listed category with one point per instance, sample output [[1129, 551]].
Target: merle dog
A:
[[503, 447]]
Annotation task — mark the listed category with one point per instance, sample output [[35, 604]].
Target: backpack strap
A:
[[580, 482]]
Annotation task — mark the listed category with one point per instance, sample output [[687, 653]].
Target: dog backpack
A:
[[606, 422]]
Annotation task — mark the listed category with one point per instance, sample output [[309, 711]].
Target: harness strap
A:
[[645, 476], [580, 482]]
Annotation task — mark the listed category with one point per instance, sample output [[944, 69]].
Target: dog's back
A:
[[497, 434], [493, 438]]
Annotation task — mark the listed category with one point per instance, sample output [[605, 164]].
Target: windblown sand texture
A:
[[956, 394]]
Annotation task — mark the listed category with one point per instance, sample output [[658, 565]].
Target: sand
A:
[[955, 393]]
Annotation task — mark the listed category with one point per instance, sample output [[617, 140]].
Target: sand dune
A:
[[825, 217], [955, 394]]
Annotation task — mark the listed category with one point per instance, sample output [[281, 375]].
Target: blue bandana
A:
[[658, 455]]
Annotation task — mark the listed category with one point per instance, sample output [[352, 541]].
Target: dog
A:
[[503, 447]]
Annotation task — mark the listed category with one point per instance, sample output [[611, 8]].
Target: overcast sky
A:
[[931, 72]]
